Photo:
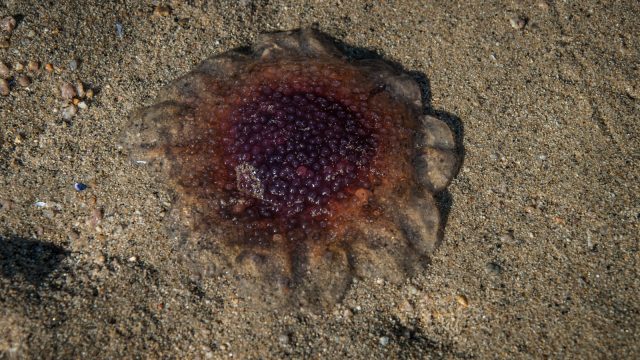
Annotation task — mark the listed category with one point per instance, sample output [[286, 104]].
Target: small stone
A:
[[80, 89], [543, 5], [68, 112], [462, 300], [73, 65], [7, 24], [18, 66], [31, 34], [82, 105], [494, 268], [67, 91], [4, 87], [4, 43], [23, 81], [518, 22], [100, 259], [4, 71], [89, 94], [75, 101], [162, 10], [283, 339], [506, 237], [119, 30], [48, 67], [33, 66], [79, 186], [384, 340], [132, 259]]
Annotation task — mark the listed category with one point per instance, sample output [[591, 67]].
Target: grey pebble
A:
[[68, 112], [73, 65], [494, 268], [384, 340], [506, 237], [283, 339]]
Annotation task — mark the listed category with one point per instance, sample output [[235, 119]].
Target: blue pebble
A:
[[79, 186]]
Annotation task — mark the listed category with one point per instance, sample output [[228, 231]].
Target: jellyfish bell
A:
[[296, 169]]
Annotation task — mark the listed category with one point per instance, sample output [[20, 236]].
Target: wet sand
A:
[[540, 251]]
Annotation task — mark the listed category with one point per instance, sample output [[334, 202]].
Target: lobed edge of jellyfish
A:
[[435, 160]]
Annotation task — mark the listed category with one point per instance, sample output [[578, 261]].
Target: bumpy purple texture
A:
[[292, 153]]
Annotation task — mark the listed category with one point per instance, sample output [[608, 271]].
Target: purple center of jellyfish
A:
[[295, 152]]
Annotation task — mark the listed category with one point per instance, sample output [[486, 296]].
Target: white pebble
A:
[[68, 112]]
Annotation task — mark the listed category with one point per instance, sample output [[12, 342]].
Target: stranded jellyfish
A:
[[296, 169]]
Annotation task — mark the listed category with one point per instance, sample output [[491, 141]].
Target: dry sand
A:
[[540, 254]]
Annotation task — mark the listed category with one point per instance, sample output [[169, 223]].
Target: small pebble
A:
[[18, 66], [462, 300], [7, 24], [119, 30], [4, 71], [40, 204], [543, 5], [73, 65], [75, 101], [162, 10], [89, 94], [48, 67], [100, 259], [517, 22], [506, 238], [384, 340], [82, 105], [67, 91], [80, 89], [132, 259], [23, 81], [79, 186], [4, 43], [33, 66], [283, 339], [4, 87], [494, 268], [68, 112]]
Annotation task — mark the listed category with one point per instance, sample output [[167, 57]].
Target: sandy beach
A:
[[539, 256]]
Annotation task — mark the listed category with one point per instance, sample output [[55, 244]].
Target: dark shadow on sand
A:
[[29, 260]]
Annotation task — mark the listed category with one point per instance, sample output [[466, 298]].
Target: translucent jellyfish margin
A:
[[392, 247]]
